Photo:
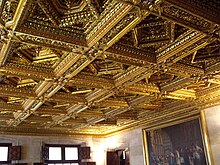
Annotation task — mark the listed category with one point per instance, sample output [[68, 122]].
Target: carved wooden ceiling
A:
[[92, 67]]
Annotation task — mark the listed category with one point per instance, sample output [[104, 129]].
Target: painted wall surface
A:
[[213, 123]]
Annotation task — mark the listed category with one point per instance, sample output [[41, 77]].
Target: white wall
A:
[[131, 140], [31, 146], [213, 123]]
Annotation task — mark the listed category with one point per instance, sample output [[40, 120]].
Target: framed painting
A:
[[178, 144]]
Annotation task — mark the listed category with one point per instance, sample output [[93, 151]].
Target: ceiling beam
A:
[[186, 16], [185, 45], [177, 84], [27, 71], [10, 26], [199, 9], [106, 21], [50, 12]]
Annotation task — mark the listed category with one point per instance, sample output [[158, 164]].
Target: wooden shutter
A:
[[87, 163], [127, 158], [113, 158], [84, 153], [38, 163], [45, 153], [14, 153]]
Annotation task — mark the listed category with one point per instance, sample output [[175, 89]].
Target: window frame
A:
[[63, 146], [6, 145]]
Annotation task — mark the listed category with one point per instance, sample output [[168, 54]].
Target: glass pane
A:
[[54, 153], [3, 153], [71, 153]]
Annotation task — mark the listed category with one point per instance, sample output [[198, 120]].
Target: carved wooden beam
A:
[[47, 89], [67, 62], [78, 18], [102, 94], [214, 68], [184, 70], [50, 111], [98, 37], [185, 17], [132, 53], [7, 91], [107, 20], [41, 73], [144, 88], [83, 62], [185, 45], [177, 84], [132, 75], [10, 107], [149, 106], [5, 51], [181, 94], [206, 10], [20, 13], [34, 33], [74, 121], [124, 59], [38, 119], [212, 91], [50, 12], [92, 113], [91, 81], [27, 71], [174, 109], [6, 117], [115, 103], [141, 100], [107, 122], [2, 3], [47, 38]]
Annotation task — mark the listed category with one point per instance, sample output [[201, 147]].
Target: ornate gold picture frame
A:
[[177, 143]]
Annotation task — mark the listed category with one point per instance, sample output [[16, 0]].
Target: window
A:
[[4, 148], [55, 153], [63, 154], [71, 153]]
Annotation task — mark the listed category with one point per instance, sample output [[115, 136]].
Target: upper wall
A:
[[132, 141], [31, 146], [213, 124]]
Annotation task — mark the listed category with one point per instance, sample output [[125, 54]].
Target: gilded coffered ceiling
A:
[[92, 67]]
